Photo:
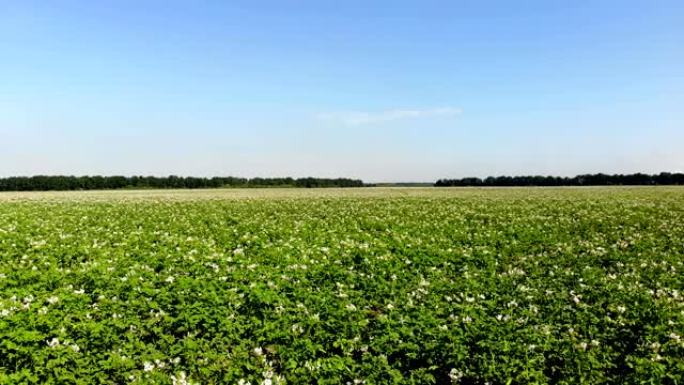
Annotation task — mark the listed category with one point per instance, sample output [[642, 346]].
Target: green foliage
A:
[[639, 179], [518, 286], [97, 182]]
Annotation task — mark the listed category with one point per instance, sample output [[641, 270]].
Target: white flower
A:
[[80, 291], [75, 348], [170, 279], [258, 351], [455, 375], [243, 382], [181, 379], [54, 342], [675, 336], [148, 366], [621, 309], [53, 300], [583, 345]]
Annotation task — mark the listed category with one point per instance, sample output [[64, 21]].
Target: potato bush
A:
[[372, 286]]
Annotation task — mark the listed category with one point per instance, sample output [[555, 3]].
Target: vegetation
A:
[[60, 182], [664, 178], [369, 286], [65, 183]]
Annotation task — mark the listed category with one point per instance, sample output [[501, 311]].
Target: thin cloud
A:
[[356, 118]]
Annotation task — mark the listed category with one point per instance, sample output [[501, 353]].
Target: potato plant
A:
[[373, 286]]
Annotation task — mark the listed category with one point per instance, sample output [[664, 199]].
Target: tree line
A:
[[664, 178], [62, 182], [97, 182]]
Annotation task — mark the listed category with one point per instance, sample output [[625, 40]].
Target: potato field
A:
[[343, 286]]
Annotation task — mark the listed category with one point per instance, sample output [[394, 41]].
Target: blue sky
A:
[[379, 90]]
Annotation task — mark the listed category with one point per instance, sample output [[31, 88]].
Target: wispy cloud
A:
[[357, 118]]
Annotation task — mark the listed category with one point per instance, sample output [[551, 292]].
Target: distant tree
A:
[[62, 182], [600, 179]]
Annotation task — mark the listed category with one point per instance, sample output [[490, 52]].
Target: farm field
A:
[[343, 286]]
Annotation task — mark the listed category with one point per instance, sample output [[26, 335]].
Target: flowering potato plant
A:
[[374, 286]]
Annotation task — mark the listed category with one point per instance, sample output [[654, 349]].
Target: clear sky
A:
[[379, 90]]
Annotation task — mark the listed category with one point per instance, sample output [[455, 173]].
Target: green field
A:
[[334, 286]]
